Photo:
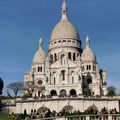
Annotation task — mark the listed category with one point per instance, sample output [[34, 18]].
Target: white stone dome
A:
[[64, 29], [88, 54], [40, 55], [64, 33]]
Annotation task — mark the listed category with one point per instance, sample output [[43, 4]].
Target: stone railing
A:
[[47, 98], [44, 98]]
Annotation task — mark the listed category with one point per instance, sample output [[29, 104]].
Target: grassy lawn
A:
[[5, 117]]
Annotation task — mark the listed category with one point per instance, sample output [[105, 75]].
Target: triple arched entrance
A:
[[63, 92], [72, 92]]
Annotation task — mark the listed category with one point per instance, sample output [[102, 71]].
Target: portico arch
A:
[[68, 108], [63, 92], [42, 111], [53, 93], [92, 109], [73, 92]]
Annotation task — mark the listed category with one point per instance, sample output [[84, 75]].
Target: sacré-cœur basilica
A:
[[67, 77], [67, 70]]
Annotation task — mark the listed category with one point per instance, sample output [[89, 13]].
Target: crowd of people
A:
[[102, 115], [92, 113]]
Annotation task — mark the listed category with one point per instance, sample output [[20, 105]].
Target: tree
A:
[[29, 87], [8, 92], [111, 91], [1, 85], [15, 87]]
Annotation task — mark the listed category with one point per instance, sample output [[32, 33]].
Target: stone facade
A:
[[67, 70]]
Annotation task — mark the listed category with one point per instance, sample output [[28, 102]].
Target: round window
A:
[[39, 82]]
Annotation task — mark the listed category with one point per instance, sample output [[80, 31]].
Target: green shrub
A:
[[21, 116]]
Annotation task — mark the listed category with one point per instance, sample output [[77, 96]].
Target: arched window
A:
[[63, 75], [64, 40], [74, 58], [54, 81], [62, 61], [89, 67], [51, 58], [59, 41], [72, 80], [39, 69], [55, 57], [69, 55]]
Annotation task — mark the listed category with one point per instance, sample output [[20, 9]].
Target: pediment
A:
[[71, 64], [58, 64]]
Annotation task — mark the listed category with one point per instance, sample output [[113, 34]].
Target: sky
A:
[[24, 22]]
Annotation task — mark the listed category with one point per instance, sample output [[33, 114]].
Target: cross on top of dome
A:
[[64, 10], [87, 41], [40, 43]]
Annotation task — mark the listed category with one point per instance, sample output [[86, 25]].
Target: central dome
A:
[[64, 33], [64, 29]]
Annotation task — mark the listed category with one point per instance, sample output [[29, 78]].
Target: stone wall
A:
[[59, 103]]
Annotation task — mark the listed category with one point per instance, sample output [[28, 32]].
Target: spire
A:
[[40, 43], [64, 10], [87, 41]]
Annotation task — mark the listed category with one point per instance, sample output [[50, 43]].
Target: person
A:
[[27, 118], [114, 111], [97, 118]]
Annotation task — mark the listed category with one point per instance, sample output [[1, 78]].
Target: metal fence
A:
[[85, 117]]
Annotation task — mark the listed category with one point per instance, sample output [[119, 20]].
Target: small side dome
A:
[[40, 55], [88, 54]]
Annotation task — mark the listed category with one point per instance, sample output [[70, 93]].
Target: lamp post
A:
[[8, 102]]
